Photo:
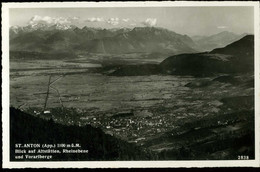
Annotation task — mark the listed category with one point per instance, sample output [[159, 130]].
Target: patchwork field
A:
[[161, 113]]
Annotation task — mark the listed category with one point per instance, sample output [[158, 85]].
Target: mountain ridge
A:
[[228, 60], [62, 38], [235, 57], [218, 40], [97, 40]]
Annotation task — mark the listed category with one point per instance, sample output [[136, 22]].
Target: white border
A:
[[119, 164]]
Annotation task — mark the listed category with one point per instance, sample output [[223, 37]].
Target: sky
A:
[[184, 20]]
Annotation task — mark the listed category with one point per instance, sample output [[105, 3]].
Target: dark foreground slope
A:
[[28, 129], [237, 57]]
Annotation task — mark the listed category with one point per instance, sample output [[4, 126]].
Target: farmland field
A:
[[150, 111]]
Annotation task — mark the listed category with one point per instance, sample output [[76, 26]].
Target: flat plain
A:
[[161, 113]]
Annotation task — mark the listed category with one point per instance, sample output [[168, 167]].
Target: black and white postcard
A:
[[130, 84]]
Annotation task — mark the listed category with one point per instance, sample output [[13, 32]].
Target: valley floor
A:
[[176, 117]]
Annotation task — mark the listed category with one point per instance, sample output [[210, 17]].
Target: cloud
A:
[[222, 27], [126, 20], [51, 20], [95, 19], [150, 22], [133, 24], [113, 21]]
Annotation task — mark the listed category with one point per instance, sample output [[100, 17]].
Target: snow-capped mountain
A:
[[40, 26]]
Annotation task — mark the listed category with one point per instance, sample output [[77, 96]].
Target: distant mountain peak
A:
[[59, 26], [146, 28], [100, 40], [228, 33], [42, 26], [15, 29]]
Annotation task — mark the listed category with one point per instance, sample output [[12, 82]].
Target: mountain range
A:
[[71, 40], [59, 38]]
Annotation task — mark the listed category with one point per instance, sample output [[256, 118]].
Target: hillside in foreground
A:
[[27, 129]]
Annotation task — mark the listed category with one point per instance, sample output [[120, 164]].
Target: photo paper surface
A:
[[135, 84]]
